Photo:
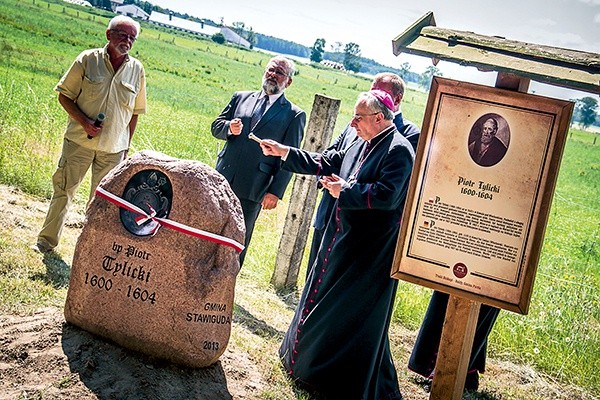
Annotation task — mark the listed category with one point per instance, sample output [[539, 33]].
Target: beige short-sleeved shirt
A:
[[93, 84]]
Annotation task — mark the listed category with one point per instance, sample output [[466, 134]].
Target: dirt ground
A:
[[44, 354], [43, 357]]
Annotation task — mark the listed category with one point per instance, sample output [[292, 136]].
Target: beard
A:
[[486, 139], [272, 87]]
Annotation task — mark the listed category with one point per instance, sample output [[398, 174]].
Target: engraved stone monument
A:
[[155, 266]]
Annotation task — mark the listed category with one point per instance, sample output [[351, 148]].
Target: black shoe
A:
[[472, 382]]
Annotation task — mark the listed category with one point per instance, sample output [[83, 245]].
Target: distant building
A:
[[80, 2], [132, 11], [115, 3], [197, 28], [333, 64], [232, 37]]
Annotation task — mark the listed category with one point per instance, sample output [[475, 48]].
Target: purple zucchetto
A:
[[383, 97]]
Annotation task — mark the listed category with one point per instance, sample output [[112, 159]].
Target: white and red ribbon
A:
[[144, 216]]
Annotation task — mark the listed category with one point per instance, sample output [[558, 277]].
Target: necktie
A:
[[259, 110]]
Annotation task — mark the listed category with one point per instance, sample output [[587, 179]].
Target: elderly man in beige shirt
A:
[[100, 81]]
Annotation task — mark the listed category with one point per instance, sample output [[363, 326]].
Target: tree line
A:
[[349, 54]]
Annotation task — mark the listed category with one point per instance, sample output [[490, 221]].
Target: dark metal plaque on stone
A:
[[150, 190]]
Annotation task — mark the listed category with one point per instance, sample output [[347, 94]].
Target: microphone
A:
[[98, 122]]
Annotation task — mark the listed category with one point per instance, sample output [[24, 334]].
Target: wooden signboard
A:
[[481, 191]]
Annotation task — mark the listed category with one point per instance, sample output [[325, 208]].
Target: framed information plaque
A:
[[481, 191]]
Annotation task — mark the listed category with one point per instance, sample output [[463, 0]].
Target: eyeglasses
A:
[[359, 117], [276, 71], [124, 35]]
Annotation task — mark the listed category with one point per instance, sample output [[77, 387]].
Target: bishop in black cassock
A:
[[337, 344]]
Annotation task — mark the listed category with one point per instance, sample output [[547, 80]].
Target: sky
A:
[[572, 24]]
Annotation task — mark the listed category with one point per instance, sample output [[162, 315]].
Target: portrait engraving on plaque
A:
[[489, 139]]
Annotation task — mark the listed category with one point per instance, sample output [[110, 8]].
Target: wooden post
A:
[[514, 82], [455, 349], [460, 323], [304, 196]]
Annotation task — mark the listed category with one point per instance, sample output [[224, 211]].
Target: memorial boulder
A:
[[155, 266]]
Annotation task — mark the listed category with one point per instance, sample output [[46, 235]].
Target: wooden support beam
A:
[[455, 349], [512, 82]]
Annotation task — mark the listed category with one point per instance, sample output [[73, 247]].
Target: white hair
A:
[[124, 20], [290, 66], [373, 104]]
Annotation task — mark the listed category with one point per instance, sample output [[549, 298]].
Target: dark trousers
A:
[[424, 353], [250, 209]]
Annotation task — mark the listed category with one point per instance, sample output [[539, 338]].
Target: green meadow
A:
[[190, 80]]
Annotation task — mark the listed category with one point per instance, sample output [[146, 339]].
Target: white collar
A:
[[272, 97]]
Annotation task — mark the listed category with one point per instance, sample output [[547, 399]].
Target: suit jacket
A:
[[409, 130], [241, 161]]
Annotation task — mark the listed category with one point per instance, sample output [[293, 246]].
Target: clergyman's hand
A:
[[273, 148], [334, 184]]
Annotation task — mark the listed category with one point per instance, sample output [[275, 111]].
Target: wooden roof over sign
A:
[[553, 65]]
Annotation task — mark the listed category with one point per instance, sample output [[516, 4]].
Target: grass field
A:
[[189, 81]]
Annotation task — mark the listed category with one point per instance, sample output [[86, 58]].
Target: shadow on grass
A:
[[58, 272], [254, 325]]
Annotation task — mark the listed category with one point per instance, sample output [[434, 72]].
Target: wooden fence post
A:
[[304, 195]]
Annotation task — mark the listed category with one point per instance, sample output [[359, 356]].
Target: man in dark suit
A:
[[258, 180], [394, 86]]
